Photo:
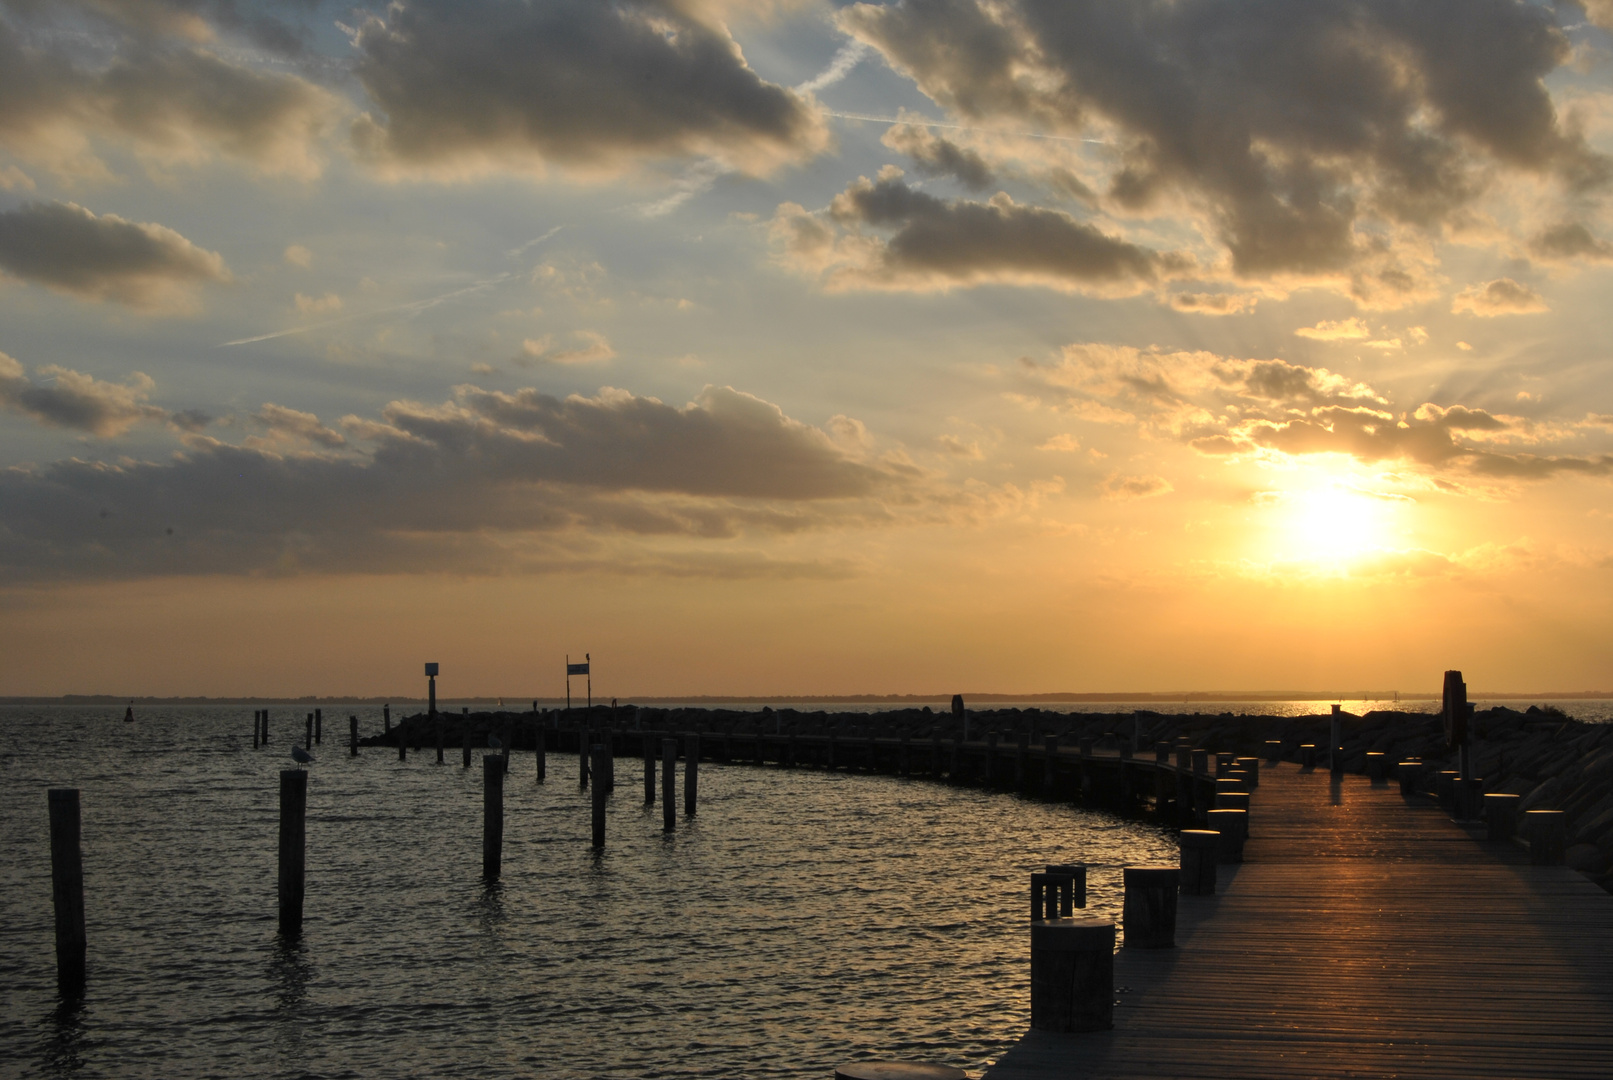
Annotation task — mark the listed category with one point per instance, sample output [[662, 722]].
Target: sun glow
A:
[[1332, 523]]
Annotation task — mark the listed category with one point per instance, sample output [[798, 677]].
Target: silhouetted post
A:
[[464, 747], [1408, 773], [582, 757], [1250, 767], [1233, 827], [1072, 975], [403, 744], [256, 715], [1377, 767], [492, 816], [1501, 815], [352, 736], [541, 746], [1201, 762], [649, 770], [386, 720], [1052, 896], [293, 848], [691, 773], [1547, 833], [1200, 853], [1274, 750], [669, 783], [960, 714], [308, 739], [67, 887], [1149, 914], [599, 794], [1335, 741], [1307, 755], [1077, 873], [319, 727]]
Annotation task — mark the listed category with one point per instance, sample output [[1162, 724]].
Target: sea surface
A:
[[801, 919]]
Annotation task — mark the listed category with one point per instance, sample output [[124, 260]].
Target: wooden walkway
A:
[[1364, 936]]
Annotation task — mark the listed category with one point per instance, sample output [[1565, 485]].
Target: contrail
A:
[[919, 122], [415, 307], [847, 58], [532, 243]]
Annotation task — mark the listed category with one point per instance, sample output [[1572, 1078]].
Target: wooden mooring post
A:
[[256, 717], [293, 848], [540, 745], [1052, 896], [600, 792], [1200, 853], [1077, 873], [1072, 974], [691, 774], [1149, 906], [492, 816], [352, 736], [649, 770], [319, 727], [308, 739], [67, 888], [669, 783], [464, 748], [582, 757]]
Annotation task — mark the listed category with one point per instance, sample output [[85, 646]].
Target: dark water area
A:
[[801, 919]]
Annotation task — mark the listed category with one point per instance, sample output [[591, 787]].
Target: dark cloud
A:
[[933, 155], [1569, 240], [71, 399], [1289, 123], [461, 85], [488, 480], [1503, 296], [166, 98], [919, 241], [66, 247]]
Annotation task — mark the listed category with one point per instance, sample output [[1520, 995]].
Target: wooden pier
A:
[[1364, 935]]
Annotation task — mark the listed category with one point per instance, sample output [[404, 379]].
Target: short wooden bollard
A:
[[649, 771], [1335, 743], [319, 727], [293, 848], [1251, 766], [1162, 753], [600, 792], [1377, 766], [540, 742], [1445, 789], [1237, 776], [1223, 762], [1307, 755], [67, 887], [1184, 756], [1501, 815], [897, 1070], [1201, 850], [669, 784], [1201, 762], [1052, 896], [255, 719], [1148, 916], [1233, 800], [1077, 873], [403, 744], [1230, 785], [1547, 833], [1470, 799], [691, 774], [308, 739], [1408, 773], [1233, 826], [1274, 750], [492, 816], [1072, 975], [352, 736]]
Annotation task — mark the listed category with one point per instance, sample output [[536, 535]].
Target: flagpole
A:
[[568, 686]]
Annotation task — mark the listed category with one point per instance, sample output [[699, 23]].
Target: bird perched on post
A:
[[301, 756]]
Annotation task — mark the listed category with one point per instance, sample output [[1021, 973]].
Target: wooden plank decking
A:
[[1364, 936]]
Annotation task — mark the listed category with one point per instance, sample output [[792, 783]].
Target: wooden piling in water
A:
[[1052, 896], [1072, 975], [1077, 873], [67, 888], [293, 848], [403, 744], [319, 727], [691, 773], [540, 746], [582, 757], [255, 713], [492, 816], [649, 771], [352, 736], [669, 783], [308, 739], [599, 793], [1149, 907]]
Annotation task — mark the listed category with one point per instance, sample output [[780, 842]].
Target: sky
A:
[[791, 346]]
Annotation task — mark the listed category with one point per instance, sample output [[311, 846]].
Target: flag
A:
[[576, 669]]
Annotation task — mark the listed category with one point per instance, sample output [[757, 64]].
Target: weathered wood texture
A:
[[1364, 935]]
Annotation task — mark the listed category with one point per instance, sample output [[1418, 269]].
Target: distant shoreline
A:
[[850, 699]]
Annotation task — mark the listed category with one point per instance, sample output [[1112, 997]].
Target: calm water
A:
[[802, 919]]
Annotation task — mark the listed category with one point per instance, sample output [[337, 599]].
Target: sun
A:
[[1331, 522]]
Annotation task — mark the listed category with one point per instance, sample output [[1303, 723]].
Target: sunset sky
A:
[[803, 347]]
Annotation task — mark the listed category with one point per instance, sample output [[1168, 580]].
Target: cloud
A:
[[899, 238], [1117, 486], [1214, 303], [67, 248], [1311, 138], [1351, 329], [595, 349], [1503, 296], [933, 155], [70, 399], [461, 87], [1063, 442], [297, 255], [1569, 240], [957, 447], [173, 103], [318, 305], [489, 480]]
